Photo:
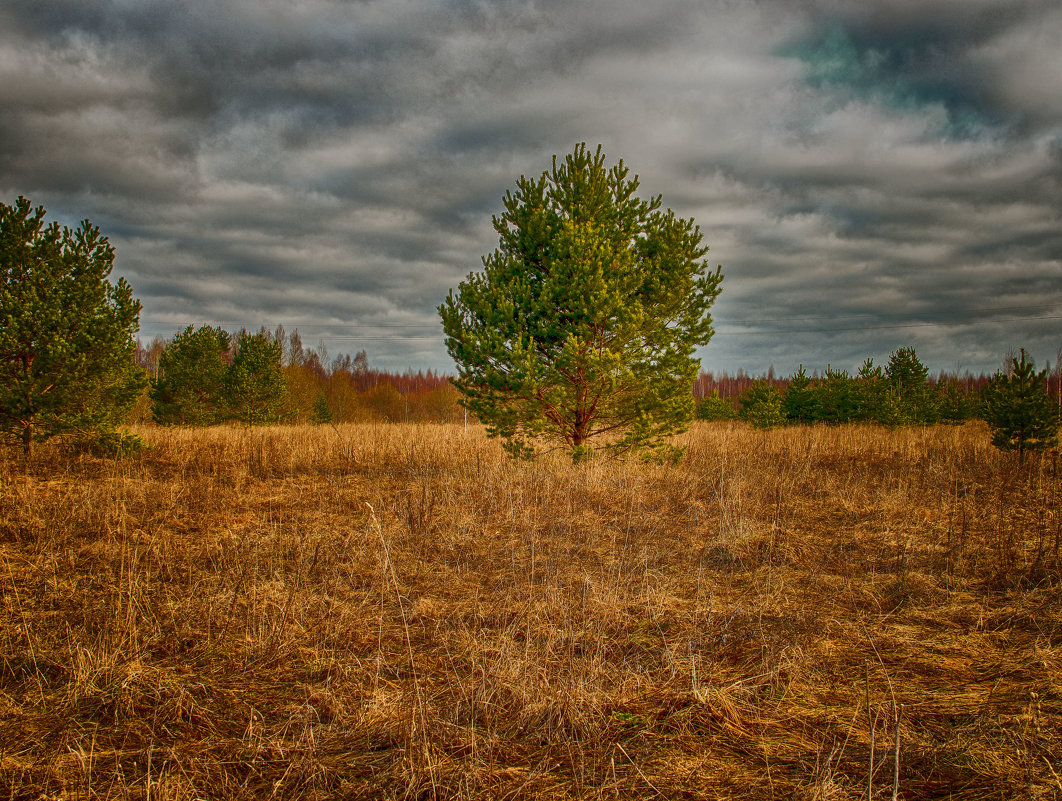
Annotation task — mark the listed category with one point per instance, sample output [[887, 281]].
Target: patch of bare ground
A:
[[401, 612]]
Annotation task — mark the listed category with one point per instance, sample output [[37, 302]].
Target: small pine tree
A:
[[870, 392], [800, 402], [892, 409], [322, 412], [954, 405], [913, 400], [712, 408], [838, 401], [761, 405], [1018, 410]]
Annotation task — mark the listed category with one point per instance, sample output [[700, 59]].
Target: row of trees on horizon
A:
[[191, 382], [309, 386], [899, 393], [735, 384], [1015, 402], [72, 367]]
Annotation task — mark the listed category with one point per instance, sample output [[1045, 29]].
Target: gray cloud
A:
[[870, 176]]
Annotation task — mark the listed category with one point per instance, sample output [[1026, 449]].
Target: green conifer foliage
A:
[[322, 412], [66, 332], [800, 402], [191, 386], [837, 396], [954, 405], [254, 385], [762, 406], [1018, 410], [912, 399], [712, 408], [582, 326], [871, 392]]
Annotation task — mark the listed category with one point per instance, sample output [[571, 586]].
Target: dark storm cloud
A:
[[870, 175]]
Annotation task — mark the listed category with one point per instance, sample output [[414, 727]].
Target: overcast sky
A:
[[869, 174]]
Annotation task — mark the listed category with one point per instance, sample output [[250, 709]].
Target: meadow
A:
[[401, 612]]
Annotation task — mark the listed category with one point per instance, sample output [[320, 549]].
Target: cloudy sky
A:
[[869, 174]]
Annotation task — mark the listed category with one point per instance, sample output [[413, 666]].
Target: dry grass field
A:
[[400, 612]]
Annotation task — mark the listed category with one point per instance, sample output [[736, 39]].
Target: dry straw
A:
[[379, 611]]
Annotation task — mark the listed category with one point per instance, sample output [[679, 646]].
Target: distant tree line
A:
[[205, 376], [732, 386], [1016, 402]]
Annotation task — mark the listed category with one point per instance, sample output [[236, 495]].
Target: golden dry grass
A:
[[401, 612]]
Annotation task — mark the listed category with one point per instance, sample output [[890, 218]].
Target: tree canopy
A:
[[206, 376], [190, 389], [1018, 410], [66, 332], [581, 328], [910, 399], [254, 384], [762, 405]]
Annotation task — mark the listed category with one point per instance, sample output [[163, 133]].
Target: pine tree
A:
[[913, 401], [954, 404], [583, 324], [254, 384], [838, 400], [871, 392], [712, 408], [799, 402], [66, 333], [322, 412], [190, 389], [762, 406], [1018, 410]]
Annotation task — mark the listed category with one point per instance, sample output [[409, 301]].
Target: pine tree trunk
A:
[[579, 431], [27, 440]]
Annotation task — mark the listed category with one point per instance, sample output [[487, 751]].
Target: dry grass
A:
[[401, 612]]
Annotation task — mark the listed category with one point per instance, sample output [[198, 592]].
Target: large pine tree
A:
[[66, 332], [582, 326]]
